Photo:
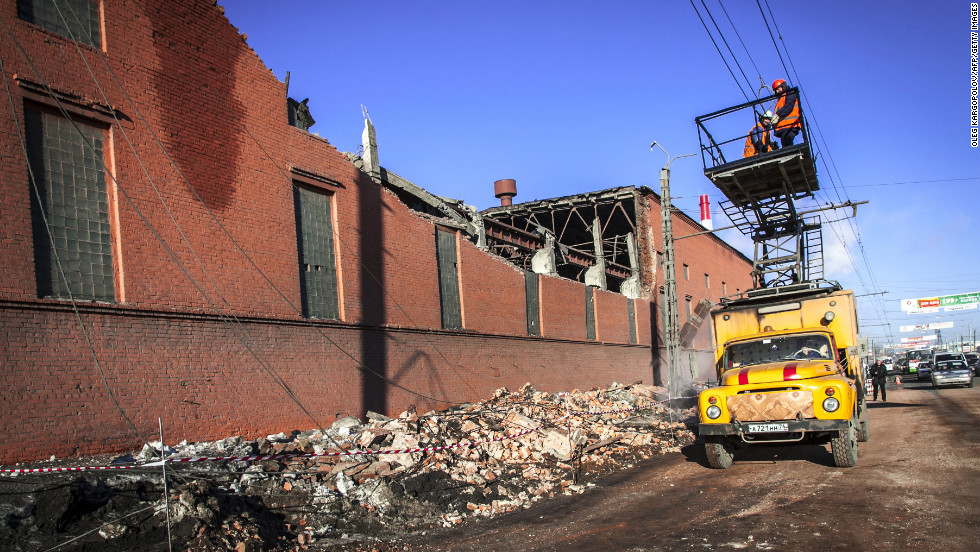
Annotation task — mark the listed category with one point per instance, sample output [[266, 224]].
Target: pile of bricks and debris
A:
[[471, 467]]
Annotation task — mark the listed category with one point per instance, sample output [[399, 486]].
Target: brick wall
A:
[[207, 379]]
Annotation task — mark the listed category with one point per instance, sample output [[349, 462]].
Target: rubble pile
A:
[[477, 460]]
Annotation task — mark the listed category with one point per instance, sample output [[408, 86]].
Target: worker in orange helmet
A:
[[787, 119], [758, 140]]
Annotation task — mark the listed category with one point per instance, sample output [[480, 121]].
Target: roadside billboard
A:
[[924, 327]]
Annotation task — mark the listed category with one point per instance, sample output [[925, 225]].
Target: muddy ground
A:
[[916, 487]]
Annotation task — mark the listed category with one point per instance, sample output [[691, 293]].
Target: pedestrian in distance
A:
[[787, 117], [879, 375], [758, 140]]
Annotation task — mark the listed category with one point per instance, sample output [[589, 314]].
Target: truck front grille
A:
[[762, 407]]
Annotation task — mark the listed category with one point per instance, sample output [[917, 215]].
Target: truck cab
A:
[[788, 369]]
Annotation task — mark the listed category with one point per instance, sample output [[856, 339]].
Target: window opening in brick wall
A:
[[686, 277], [452, 316], [317, 261], [631, 313], [78, 19], [687, 301], [707, 281], [590, 313], [68, 169], [533, 303], [724, 288]]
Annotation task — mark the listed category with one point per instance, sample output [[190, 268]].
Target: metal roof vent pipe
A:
[[505, 189]]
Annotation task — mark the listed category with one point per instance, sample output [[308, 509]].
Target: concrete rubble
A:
[[319, 502]]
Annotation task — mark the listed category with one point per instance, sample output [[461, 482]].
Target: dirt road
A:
[[916, 487]]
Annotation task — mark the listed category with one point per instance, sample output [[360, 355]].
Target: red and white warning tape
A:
[[78, 469]]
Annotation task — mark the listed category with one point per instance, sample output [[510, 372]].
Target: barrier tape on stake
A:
[[264, 457]]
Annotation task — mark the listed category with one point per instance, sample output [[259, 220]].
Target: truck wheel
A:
[[719, 452], [844, 447], [862, 427]]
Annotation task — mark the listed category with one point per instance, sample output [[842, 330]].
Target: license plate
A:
[[768, 428]]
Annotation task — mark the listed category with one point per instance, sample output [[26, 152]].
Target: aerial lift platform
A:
[[761, 192]]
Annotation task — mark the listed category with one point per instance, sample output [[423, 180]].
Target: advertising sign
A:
[[918, 339], [915, 345], [911, 305], [923, 327]]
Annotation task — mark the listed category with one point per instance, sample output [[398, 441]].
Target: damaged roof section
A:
[[591, 237]]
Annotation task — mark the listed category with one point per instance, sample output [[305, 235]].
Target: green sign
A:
[[961, 299]]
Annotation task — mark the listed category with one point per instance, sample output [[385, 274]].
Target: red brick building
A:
[[172, 247]]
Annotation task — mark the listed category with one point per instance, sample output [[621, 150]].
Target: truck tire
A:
[[719, 452], [863, 433], [844, 447]]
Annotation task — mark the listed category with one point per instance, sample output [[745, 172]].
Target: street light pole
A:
[[672, 328]]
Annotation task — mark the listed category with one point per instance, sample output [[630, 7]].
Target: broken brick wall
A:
[[207, 285], [714, 270]]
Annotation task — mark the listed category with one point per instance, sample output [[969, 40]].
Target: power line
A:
[[757, 72], [725, 61], [914, 182], [722, 36]]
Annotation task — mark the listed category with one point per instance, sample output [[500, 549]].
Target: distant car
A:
[[973, 361], [924, 371], [952, 372], [890, 368]]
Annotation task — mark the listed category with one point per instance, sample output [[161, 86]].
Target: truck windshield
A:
[[787, 347]]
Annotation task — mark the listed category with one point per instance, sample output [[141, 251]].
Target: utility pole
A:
[[672, 327]]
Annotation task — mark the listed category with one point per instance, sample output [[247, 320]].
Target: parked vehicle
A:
[[952, 372]]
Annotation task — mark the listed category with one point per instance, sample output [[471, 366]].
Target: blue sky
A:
[[566, 97]]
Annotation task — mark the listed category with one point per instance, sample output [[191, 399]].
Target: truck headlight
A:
[[831, 404], [713, 412]]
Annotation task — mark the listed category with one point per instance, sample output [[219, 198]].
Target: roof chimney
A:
[[505, 189], [706, 212]]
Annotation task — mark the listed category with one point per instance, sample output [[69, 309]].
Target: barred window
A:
[[78, 19], [452, 314], [317, 263], [69, 210]]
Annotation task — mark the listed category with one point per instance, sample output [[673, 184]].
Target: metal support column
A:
[[672, 328]]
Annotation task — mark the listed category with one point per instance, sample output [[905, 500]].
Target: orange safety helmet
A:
[[777, 83]]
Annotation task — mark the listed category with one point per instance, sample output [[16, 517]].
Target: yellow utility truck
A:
[[789, 370]]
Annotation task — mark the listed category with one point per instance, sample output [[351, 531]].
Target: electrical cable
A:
[[725, 61], [722, 35], [757, 72]]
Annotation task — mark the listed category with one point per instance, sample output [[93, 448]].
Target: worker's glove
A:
[[774, 119]]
